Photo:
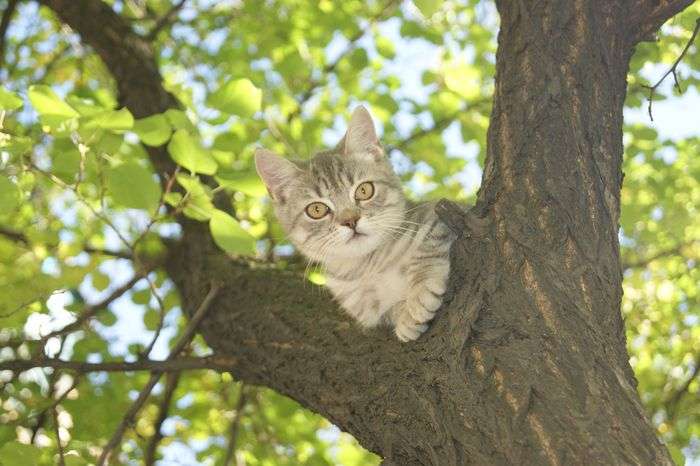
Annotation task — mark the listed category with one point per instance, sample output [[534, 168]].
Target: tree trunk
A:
[[526, 362]]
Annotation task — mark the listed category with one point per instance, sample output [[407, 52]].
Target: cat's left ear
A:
[[361, 137], [275, 171]]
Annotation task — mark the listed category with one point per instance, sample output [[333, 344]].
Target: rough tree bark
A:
[[526, 362]]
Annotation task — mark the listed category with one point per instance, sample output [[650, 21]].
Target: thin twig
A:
[[643, 262], [92, 310], [672, 70], [217, 363], [61, 458], [41, 419], [19, 237], [182, 342], [171, 383], [235, 424], [165, 20], [439, 125], [675, 398], [161, 318]]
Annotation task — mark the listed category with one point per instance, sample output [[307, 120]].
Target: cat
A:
[[386, 259]]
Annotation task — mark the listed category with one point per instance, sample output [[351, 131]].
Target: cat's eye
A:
[[317, 210], [365, 191]]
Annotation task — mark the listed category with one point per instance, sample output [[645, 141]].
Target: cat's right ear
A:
[[275, 171]]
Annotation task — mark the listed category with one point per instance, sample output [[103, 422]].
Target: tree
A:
[[526, 363]]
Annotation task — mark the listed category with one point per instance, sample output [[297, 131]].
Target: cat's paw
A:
[[423, 304], [407, 328], [368, 317]]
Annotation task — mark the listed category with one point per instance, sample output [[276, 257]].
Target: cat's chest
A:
[[384, 287]]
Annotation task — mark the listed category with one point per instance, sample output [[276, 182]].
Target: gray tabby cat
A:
[[386, 259]]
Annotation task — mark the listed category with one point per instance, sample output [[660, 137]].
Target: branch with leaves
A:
[[216, 363], [673, 251], [314, 84], [21, 238]]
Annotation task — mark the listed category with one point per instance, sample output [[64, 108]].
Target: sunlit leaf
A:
[[131, 185], [187, 151], [47, 103], [229, 235], [9, 196], [9, 100], [154, 130], [238, 97]]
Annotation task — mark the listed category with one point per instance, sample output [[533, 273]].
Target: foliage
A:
[[81, 209]]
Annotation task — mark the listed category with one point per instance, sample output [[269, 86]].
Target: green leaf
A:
[[19, 454], [72, 459], [178, 120], [116, 120], [141, 296], [385, 47], [186, 151], [229, 235], [239, 97], [9, 196], [133, 186], [65, 159], [154, 130], [107, 318], [428, 7], [86, 107], [9, 100], [198, 203], [151, 319], [47, 103], [247, 182], [100, 281], [463, 79]]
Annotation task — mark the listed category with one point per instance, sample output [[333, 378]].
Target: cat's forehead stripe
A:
[[330, 172]]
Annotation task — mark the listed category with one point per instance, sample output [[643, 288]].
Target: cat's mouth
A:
[[356, 236]]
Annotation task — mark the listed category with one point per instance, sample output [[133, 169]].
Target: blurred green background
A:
[[81, 210]]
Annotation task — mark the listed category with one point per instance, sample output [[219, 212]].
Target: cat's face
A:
[[341, 204]]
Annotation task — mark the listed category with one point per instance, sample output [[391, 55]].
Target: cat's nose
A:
[[350, 223], [349, 218]]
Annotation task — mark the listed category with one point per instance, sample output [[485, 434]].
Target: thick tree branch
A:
[[4, 25], [648, 15]]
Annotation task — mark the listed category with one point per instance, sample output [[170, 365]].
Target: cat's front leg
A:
[[427, 276]]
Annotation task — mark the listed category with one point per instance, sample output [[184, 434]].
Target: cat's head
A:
[[341, 204]]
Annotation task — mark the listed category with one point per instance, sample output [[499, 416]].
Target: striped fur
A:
[[393, 266]]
